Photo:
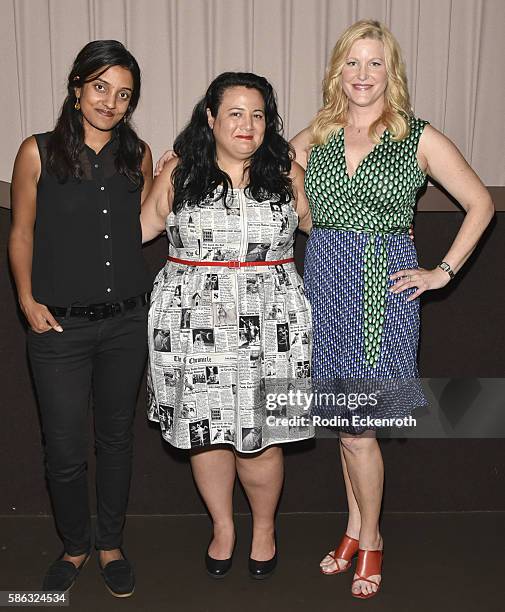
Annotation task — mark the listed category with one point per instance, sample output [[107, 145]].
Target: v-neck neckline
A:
[[342, 136]]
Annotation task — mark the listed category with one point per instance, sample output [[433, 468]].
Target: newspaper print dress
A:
[[224, 342]]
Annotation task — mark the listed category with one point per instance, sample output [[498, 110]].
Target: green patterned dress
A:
[[360, 237]]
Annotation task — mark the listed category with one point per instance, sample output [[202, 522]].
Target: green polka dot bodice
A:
[[379, 200]]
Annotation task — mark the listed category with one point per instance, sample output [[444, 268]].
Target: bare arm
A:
[[158, 204], [301, 145], [147, 172], [441, 159], [25, 176], [302, 206]]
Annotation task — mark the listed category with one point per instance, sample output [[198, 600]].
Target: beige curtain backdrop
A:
[[454, 50]]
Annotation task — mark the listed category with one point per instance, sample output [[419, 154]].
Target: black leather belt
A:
[[100, 311]]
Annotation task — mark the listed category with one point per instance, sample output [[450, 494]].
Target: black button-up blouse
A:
[[87, 239]]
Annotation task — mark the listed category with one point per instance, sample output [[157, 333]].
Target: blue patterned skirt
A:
[[334, 285]]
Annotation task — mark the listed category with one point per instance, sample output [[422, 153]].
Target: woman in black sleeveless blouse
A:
[[75, 252]]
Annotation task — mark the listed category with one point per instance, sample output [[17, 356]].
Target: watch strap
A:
[[446, 268]]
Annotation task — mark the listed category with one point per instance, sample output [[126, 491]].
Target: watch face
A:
[[446, 268]]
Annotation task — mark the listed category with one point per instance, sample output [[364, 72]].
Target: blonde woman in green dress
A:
[[366, 156]]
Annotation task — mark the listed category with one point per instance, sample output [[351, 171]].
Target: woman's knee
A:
[[66, 455], [64, 468], [119, 444], [268, 455], [357, 444]]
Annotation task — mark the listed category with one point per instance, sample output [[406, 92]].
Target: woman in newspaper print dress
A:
[[228, 305]]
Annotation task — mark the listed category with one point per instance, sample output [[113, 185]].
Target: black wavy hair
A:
[[197, 174], [66, 141]]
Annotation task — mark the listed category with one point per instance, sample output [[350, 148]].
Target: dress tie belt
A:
[[375, 278], [231, 264]]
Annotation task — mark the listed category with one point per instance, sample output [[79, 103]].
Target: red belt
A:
[[231, 264]]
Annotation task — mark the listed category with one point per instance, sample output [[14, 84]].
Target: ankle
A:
[[223, 528], [106, 556], [263, 539], [75, 559], [353, 530], [264, 530], [370, 541]]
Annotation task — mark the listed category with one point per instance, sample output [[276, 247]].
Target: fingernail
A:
[[59, 328]]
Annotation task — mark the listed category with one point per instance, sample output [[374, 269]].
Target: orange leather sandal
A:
[[346, 550], [369, 564]]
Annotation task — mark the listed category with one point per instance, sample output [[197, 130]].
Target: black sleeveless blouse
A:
[[87, 241]]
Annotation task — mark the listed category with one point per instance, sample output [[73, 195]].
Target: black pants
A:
[[106, 359]]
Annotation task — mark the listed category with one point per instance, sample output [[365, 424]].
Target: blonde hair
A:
[[397, 110]]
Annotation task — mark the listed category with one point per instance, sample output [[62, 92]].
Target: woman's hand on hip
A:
[[420, 279]]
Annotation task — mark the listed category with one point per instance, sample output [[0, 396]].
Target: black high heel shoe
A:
[[259, 570], [218, 568]]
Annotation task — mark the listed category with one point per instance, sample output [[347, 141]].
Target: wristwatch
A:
[[446, 268]]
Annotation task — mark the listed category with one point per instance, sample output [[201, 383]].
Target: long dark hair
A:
[[66, 141], [197, 174]]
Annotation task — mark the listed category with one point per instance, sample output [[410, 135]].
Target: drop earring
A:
[[77, 104]]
